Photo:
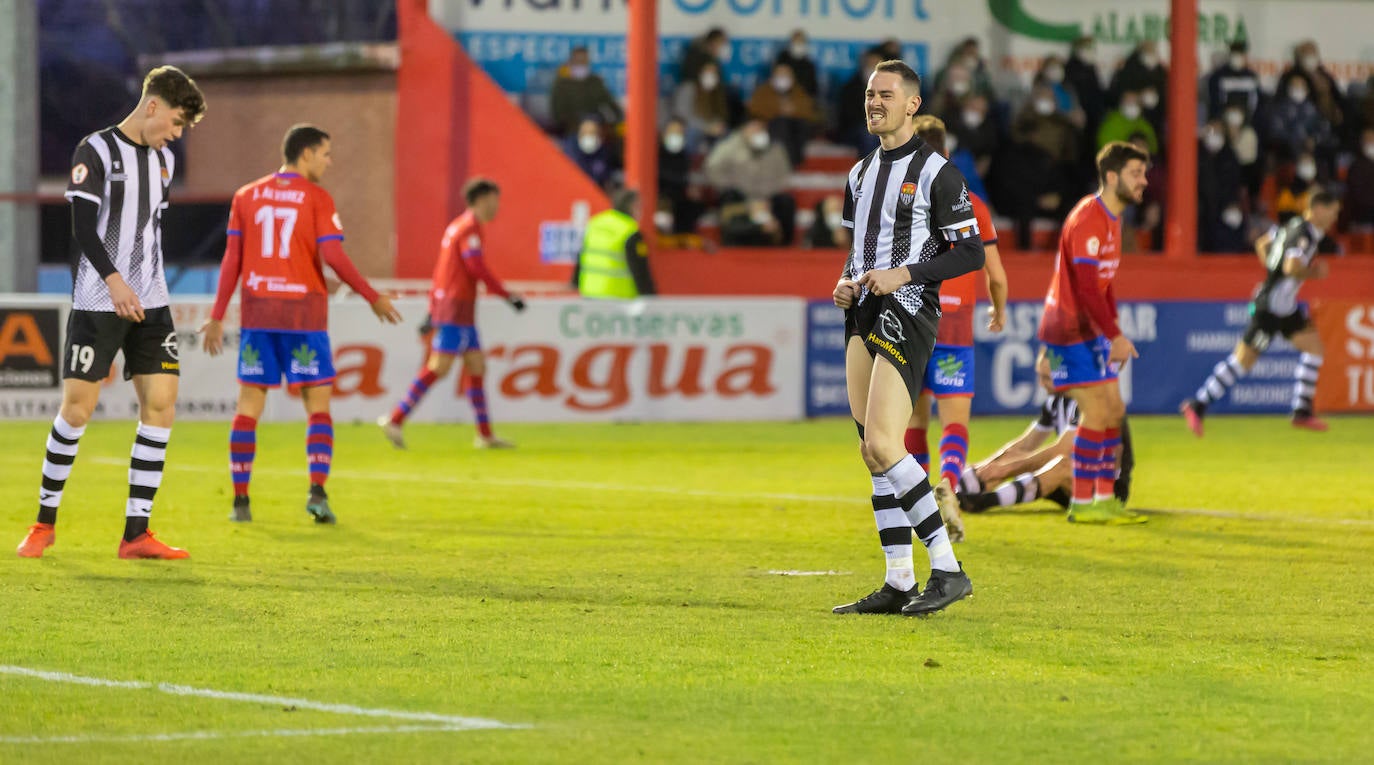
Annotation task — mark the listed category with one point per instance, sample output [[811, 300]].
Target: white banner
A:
[[561, 360]]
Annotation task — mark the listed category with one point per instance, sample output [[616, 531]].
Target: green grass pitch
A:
[[608, 592]]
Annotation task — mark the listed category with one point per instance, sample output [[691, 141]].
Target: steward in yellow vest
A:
[[614, 261]]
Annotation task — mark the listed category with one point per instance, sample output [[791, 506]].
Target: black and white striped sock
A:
[[912, 487], [1226, 373], [894, 534], [57, 466], [145, 476], [1024, 489], [1305, 383]]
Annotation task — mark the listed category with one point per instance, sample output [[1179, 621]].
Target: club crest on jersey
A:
[[1093, 245], [907, 196], [79, 173], [962, 203], [891, 326]]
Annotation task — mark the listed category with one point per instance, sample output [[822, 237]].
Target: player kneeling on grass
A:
[[282, 230]]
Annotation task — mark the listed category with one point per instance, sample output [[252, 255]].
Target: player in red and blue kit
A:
[[949, 375], [453, 311], [1084, 346], [282, 230]]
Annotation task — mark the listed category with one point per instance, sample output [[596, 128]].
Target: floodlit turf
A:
[[609, 587]]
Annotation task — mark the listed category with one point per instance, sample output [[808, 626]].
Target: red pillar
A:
[[641, 111], [1180, 219]]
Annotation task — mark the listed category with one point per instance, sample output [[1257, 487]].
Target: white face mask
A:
[[958, 87], [588, 143], [973, 118], [1054, 73], [759, 141], [1214, 141], [1150, 60], [1232, 217], [834, 220], [798, 49], [1237, 60], [1234, 117], [723, 53], [674, 142], [1297, 94], [579, 71], [951, 144], [1307, 170], [1044, 106], [782, 84], [1130, 111], [1310, 62], [1149, 98], [1088, 54], [709, 80], [1369, 150]]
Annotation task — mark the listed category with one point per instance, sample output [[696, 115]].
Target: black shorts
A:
[[93, 338], [888, 329], [1264, 325]]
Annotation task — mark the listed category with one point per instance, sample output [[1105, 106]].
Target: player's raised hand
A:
[[126, 302], [886, 281], [845, 293], [385, 311], [213, 330], [1122, 350], [997, 320]]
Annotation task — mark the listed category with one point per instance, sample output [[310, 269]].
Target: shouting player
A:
[[282, 230], [1083, 344], [1289, 254], [453, 309], [949, 375], [119, 182]]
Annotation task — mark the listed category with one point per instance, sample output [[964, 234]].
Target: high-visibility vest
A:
[[603, 271]]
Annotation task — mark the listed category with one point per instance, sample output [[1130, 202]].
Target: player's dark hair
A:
[[899, 68], [1114, 156], [300, 137], [931, 129], [476, 188], [1323, 198], [177, 89]]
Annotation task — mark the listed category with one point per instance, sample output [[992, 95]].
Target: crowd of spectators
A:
[[730, 157]]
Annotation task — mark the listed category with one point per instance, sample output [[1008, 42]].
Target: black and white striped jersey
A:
[[1294, 240], [905, 206], [1059, 413], [129, 182]]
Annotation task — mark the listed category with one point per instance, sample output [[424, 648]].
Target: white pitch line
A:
[[210, 735], [452, 721]]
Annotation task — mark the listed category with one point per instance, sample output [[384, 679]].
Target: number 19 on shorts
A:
[[83, 356]]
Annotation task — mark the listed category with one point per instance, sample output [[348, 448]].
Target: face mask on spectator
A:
[[759, 216], [1310, 62], [1232, 217], [588, 143], [951, 144], [798, 49], [1237, 60], [1214, 141], [973, 118], [1044, 107], [1130, 111], [1149, 98], [782, 83], [1297, 93], [709, 80], [674, 142], [663, 220], [1054, 73], [758, 141], [958, 87], [1234, 117], [1088, 54], [723, 53], [579, 71], [1307, 170], [1149, 60], [1369, 150], [834, 220]]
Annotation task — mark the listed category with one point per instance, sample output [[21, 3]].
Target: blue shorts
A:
[[455, 339], [303, 357], [1080, 364], [950, 371]]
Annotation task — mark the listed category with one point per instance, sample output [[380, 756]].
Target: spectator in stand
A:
[[827, 227], [789, 112], [968, 165], [1358, 200], [577, 93], [1234, 84], [1221, 200], [588, 149], [1295, 123], [714, 46], [974, 131], [1081, 75], [676, 195], [1041, 123], [1244, 141], [751, 174], [955, 84], [1144, 73], [704, 103], [1051, 74], [889, 49], [849, 118], [797, 55], [1322, 88], [1286, 191], [1126, 120], [966, 56], [1024, 185]]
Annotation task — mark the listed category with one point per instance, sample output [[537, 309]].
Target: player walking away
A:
[[949, 375], [1083, 344], [453, 309], [1289, 253], [119, 187], [913, 228], [283, 229]]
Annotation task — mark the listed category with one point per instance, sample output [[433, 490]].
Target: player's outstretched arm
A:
[[333, 255], [230, 267]]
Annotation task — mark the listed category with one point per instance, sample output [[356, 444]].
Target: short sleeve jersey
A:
[[283, 219], [453, 297], [1091, 235], [958, 296]]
